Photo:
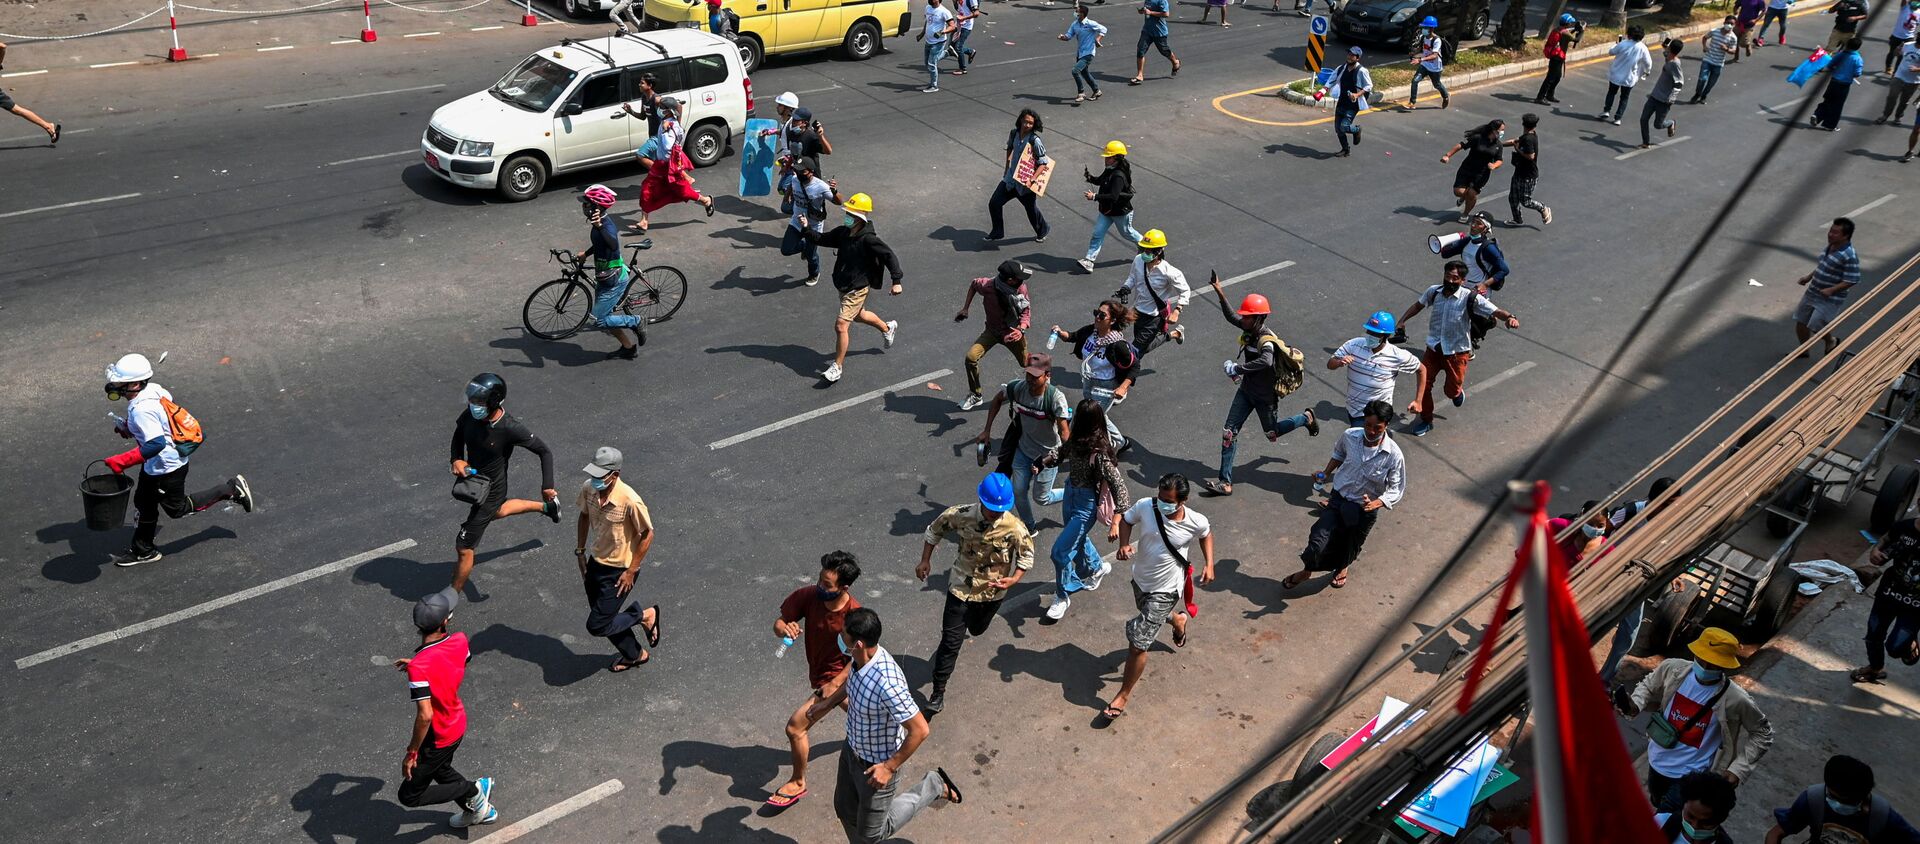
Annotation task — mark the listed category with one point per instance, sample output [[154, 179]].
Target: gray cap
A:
[[431, 612], [606, 461], [669, 102]]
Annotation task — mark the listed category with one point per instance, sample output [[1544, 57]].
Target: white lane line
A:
[[355, 96], [371, 157], [1493, 382], [209, 55], [1013, 61], [71, 648], [1779, 108], [1446, 216], [345, 41], [1863, 209], [63, 133], [274, 49], [418, 34], [817, 90], [1662, 145], [21, 73], [111, 64], [1689, 288], [791, 421], [68, 205], [555, 812], [1270, 268], [485, 28]]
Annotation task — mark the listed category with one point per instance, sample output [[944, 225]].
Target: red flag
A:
[[1598, 785]]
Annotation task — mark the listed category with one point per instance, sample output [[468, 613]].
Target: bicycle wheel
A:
[[558, 309], [656, 294]]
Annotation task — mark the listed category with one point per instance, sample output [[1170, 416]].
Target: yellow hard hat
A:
[[1114, 148], [1153, 239], [859, 203]]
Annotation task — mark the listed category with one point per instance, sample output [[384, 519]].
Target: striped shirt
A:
[[1719, 44], [879, 704], [1836, 266]]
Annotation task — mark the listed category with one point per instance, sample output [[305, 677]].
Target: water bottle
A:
[[785, 643], [1320, 486], [1052, 340]]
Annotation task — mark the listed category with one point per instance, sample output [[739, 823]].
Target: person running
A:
[[941, 24], [1906, 79], [1713, 725], [819, 612], [1208, 7], [995, 552], [1094, 484], [1666, 85], [621, 530], [883, 731], [1562, 39], [1714, 47], [484, 438], [623, 17], [1843, 807], [1009, 314], [1366, 473], [1913, 137], [1024, 136], [1352, 85], [1847, 17], [1156, 316], [1746, 14], [1631, 62], [1113, 193], [1106, 361], [1836, 273], [1267, 371], [1482, 145], [1086, 34], [1162, 572], [1449, 340], [1487, 267], [964, 13], [1372, 361], [1906, 21], [1427, 62], [1776, 11], [669, 171], [806, 195], [164, 435], [611, 274], [52, 129], [1844, 72], [1153, 33], [1031, 450], [860, 260], [434, 674], [1526, 173], [649, 97], [1893, 624]]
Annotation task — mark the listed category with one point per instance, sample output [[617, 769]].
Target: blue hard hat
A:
[[996, 493], [1431, 22], [1381, 323], [1566, 17]]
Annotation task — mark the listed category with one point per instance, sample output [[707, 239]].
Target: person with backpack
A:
[[1702, 720], [1843, 806], [1427, 46], [1009, 314], [1106, 361], [1113, 191], [164, 436], [1487, 267], [1893, 625], [1366, 473], [860, 261], [1706, 801], [484, 437], [1095, 486], [804, 196], [964, 11], [1268, 371], [1164, 576], [1039, 413], [1159, 291], [1372, 361], [1564, 37], [1449, 339]]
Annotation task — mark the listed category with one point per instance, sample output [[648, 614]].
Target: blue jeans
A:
[[793, 243], [1082, 74], [1420, 73], [1343, 125], [1237, 416], [1038, 483], [1709, 76], [1890, 626], [1074, 556], [961, 51], [934, 51], [1101, 390], [1623, 637], [1123, 222], [607, 297]]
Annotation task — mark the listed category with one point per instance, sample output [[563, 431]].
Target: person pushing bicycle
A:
[[610, 273]]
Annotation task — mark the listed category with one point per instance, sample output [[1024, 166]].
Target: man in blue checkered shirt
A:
[[1836, 273], [884, 728]]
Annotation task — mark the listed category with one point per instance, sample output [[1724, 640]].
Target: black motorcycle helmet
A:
[[487, 389]]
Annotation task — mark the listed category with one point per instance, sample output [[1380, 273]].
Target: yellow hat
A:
[[1153, 239], [1114, 148], [860, 204], [1717, 647]]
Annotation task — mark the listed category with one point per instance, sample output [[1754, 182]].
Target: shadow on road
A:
[[349, 808], [559, 665], [409, 579], [724, 825], [754, 769], [1079, 673], [88, 551]]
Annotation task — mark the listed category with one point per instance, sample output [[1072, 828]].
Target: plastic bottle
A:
[[785, 643], [1052, 340], [1320, 485]]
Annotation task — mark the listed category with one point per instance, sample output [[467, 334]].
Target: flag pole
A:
[[1549, 769]]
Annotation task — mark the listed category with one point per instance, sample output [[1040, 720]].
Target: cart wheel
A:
[[1765, 423], [1666, 620], [1798, 495], [1269, 800], [1776, 601], [1890, 503]]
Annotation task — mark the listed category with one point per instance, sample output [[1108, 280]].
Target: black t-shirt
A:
[[1481, 151], [1846, 9], [805, 143], [1900, 582], [1523, 166], [605, 241], [487, 447]]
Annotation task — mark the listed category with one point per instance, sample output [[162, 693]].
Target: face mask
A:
[[1694, 833], [1590, 530], [849, 221], [1166, 507], [842, 642], [479, 411], [1503, 133], [600, 484], [1477, 237], [826, 595], [1840, 808], [1707, 676]]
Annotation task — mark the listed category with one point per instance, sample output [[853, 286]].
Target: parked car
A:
[[792, 26], [1394, 21]]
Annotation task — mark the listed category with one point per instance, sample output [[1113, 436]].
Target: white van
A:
[[560, 111]]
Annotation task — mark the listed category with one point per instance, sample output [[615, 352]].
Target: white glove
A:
[[1228, 366]]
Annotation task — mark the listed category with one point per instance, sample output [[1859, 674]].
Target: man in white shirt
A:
[[940, 24], [1906, 77], [1367, 472], [1159, 292], [1162, 566], [1449, 340], [150, 423], [1631, 63], [1372, 361]]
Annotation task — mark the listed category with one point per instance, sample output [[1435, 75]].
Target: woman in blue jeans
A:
[[610, 273], [1092, 474]]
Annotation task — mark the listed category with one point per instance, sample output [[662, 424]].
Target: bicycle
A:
[[562, 307]]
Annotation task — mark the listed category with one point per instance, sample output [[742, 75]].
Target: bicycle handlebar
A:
[[565, 256]]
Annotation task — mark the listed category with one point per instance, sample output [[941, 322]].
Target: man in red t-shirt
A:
[[819, 611], [434, 673]]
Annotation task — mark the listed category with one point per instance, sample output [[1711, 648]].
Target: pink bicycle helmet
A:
[[599, 195]]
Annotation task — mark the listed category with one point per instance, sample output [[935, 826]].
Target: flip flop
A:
[[1210, 486], [1179, 639], [953, 790], [1295, 579], [709, 206], [1112, 714], [1912, 656], [56, 136], [620, 665], [782, 801], [1339, 582], [1135, 81], [1866, 675], [653, 633]]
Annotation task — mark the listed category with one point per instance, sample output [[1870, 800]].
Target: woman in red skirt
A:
[[669, 171]]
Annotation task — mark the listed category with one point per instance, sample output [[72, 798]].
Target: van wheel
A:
[[521, 178], [705, 144], [863, 41], [751, 53], [572, 9], [1478, 29]]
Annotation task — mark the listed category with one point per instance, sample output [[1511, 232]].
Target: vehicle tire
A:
[[706, 144], [1665, 621], [1478, 29], [1890, 503], [522, 178], [751, 52], [1799, 492], [1265, 802], [572, 9], [656, 294], [863, 42], [1770, 610], [1309, 770], [558, 309]]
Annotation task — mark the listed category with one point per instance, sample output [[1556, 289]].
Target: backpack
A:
[[1011, 442], [1289, 365], [182, 427], [1877, 811]]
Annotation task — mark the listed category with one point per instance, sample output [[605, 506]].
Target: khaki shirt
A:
[[986, 553], [614, 528]]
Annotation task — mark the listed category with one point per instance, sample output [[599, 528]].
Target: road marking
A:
[[371, 157], [819, 412], [1445, 216], [817, 90], [418, 34], [1270, 268], [485, 28], [1381, 105], [1690, 288], [111, 64], [1777, 109], [1863, 209], [555, 812], [68, 205], [1662, 145], [1011, 61], [273, 49], [1493, 382], [202, 609], [354, 96], [22, 73], [63, 133], [345, 41], [209, 55]]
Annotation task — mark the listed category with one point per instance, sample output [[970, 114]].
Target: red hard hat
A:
[[1254, 305]]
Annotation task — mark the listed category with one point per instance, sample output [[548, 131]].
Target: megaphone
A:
[[1447, 245]]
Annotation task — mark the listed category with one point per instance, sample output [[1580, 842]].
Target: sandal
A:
[[1912, 656], [620, 665], [1210, 486], [1112, 713], [709, 200], [1339, 581], [1295, 579], [1864, 674], [1135, 81], [653, 633], [1179, 639], [782, 801], [637, 227], [953, 791]]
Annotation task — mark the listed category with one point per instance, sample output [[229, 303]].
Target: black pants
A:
[[1028, 199], [1654, 112], [1520, 195], [1828, 112], [605, 618], [1149, 331], [168, 492], [1555, 69], [1337, 536], [958, 620], [434, 780], [1664, 791]]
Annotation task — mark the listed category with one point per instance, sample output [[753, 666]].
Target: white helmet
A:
[[130, 368], [788, 99]]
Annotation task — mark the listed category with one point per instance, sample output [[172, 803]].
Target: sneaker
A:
[[1464, 218], [1672, 126], [482, 799], [1058, 610], [1080, 97], [1093, 582], [1460, 399], [1516, 223], [1906, 158], [462, 820], [1616, 121], [1039, 238], [624, 353], [242, 494], [972, 401], [930, 89], [832, 373], [1420, 428], [1085, 264], [1605, 115], [132, 558], [1313, 424], [886, 337], [1880, 121], [812, 280], [935, 703], [1546, 216], [551, 507], [1126, 444]]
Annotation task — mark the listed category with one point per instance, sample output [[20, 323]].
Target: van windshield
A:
[[534, 85]]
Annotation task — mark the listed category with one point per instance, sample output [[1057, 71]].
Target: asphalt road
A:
[[324, 299]]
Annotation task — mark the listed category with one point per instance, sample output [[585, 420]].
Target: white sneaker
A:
[[1085, 264], [1093, 582], [1059, 609], [462, 820], [886, 337], [832, 373], [972, 401]]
